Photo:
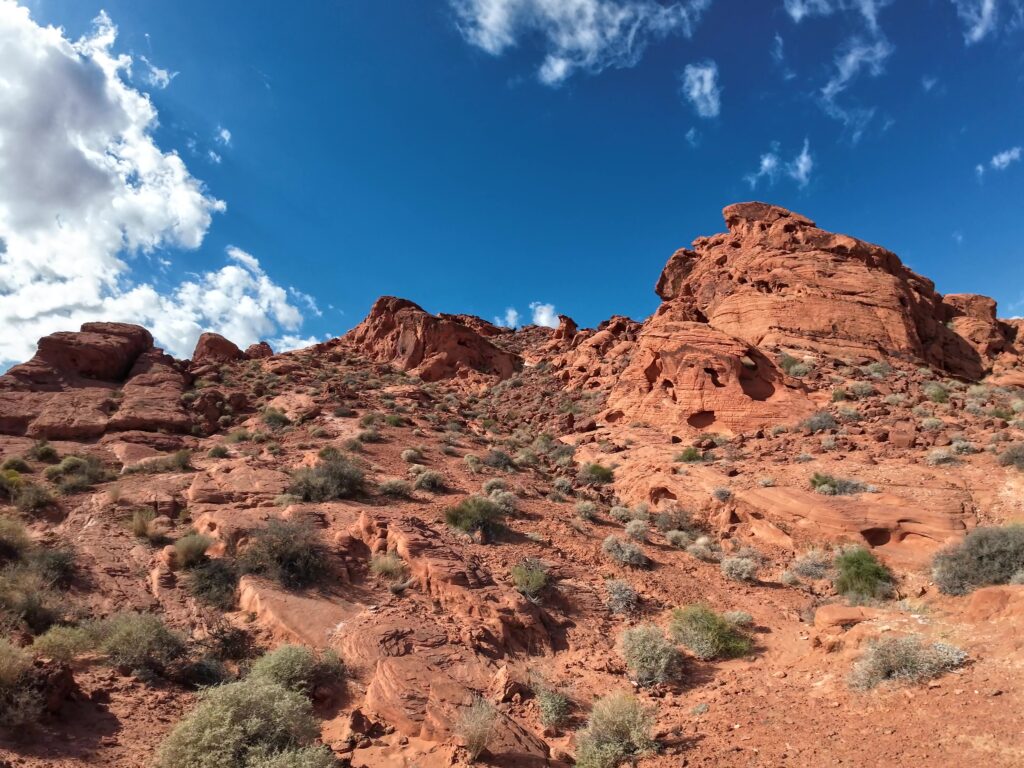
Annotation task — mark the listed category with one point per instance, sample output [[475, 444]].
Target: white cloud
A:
[[510, 319], [288, 342], [979, 17], [856, 56], [692, 137], [214, 157], [87, 195], [929, 83], [1002, 160], [700, 87], [771, 165], [798, 10], [979, 171], [155, 76], [222, 136], [588, 35], [544, 314]]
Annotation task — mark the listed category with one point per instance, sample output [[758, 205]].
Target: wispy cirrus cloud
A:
[[699, 84], [771, 167]]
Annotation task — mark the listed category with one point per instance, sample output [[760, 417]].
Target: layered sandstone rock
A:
[[432, 347], [214, 348]]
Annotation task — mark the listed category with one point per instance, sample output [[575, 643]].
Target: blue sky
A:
[[475, 162]]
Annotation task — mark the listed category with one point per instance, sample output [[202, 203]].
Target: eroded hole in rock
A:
[[659, 493], [755, 387], [701, 419], [876, 537], [713, 375], [613, 416], [676, 439]]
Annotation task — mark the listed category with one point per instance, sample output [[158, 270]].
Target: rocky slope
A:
[[783, 357]]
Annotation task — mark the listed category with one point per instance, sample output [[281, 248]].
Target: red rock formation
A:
[[214, 348], [400, 332], [258, 351]]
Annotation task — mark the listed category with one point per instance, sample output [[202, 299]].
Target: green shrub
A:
[[14, 540], [792, 366], [621, 598], [33, 498], [430, 481], [297, 668], [506, 500], [859, 575], [218, 452], [291, 553], [678, 539], [475, 725], [20, 701], [395, 487], [41, 450], [336, 478], [16, 464], [474, 513], [706, 634], [649, 656], [1013, 456], [690, 455], [624, 552], [190, 549], [906, 659], [241, 725], [138, 641], [740, 568], [936, 392], [552, 706], [985, 556], [275, 418], [586, 510], [671, 519], [595, 474], [619, 729], [828, 485], [388, 566], [214, 582], [76, 473], [63, 643], [819, 422], [499, 460], [530, 577]]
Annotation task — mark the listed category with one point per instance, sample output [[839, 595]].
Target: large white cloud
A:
[[86, 194], [589, 35]]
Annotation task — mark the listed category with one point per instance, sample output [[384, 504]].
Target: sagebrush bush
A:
[[530, 576], [395, 487], [297, 668], [562, 485], [553, 707], [649, 656], [595, 474], [621, 597], [474, 513], [430, 481], [624, 552], [138, 641], [907, 659], [494, 484], [706, 634], [214, 582], [63, 643], [190, 549], [507, 501], [275, 418], [14, 540], [21, 702], [836, 486], [289, 552], [690, 455], [936, 392], [671, 519], [241, 725], [33, 498], [984, 556], [497, 459], [704, 549], [618, 729], [179, 461], [586, 510], [336, 478], [721, 494], [411, 456], [740, 568], [637, 530], [41, 450], [388, 566], [678, 539], [860, 576], [1013, 456], [475, 726], [819, 422], [813, 564]]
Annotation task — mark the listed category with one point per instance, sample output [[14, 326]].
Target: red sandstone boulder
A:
[[258, 351], [398, 331], [214, 348]]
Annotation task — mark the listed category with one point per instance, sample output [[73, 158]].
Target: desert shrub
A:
[[138, 641], [792, 366], [962, 447], [678, 539], [394, 420], [859, 575], [474, 513], [218, 452], [395, 487], [649, 656], [906, 659], [624, 514], [586, 510], [32, 498], [690, 455], [336, 478], [20, 702], [371, 435], [344, 412], [618, 729], [494, 484], [828, 485], [860, 389], [238, 436], [738, 618], [63, 643], [671, 518], [552, 706], [41, 450], [595, 474], [1013, 456], [303, 757], [76, 473], [984, 556], [936, 392], [877, 370], [55, 566], [819, 422], [939, 457], [141, 519], [621, 597], [931, 424], [430, 481], [475, 725], [530, 577], [388, 566], [562, 485], [214, 582], [411, 456], [704, 549], [14, 540], [291, 553], [16, 464], [812, 564], [721, 494], [506, 500], [275, 418], [499, 460], [637, 530], [624, 552], [706, 634], [297, 668], [241, 725], [473, 463], [839, 394], [190, 550], [740, 568]]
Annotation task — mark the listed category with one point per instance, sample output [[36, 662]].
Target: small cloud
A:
[[800, 9], [778, 49], [510, 319], [979, 171], [856, 56], [155, 76], [771, 166], [979, 17], [1001, 161], [544, 314], [288, 342], [700, 87], [244, 258], [958, 237], [801, 166], [222, 136], [214, 157], [306, 299], [929, 83], [693, 137], [767, 169]]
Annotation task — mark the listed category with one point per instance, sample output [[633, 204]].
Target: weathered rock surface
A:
[[214, 348]]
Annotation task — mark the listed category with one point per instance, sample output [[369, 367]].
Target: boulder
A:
[[258, 351], [214, 348]]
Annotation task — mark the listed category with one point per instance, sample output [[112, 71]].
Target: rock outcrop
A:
[[214, 348]]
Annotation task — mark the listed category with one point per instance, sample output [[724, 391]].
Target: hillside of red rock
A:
[[501, 524]]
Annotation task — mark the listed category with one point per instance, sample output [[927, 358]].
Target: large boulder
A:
[[214, 348]]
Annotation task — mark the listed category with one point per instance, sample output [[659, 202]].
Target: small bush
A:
[[499, 460], [690, 455], [621, 598], [218, 452], [828, 485], [337, 478], [672, 518], [813, 564], [63, 643], [721, 494], [33, 498], [637, 530], [288, 552], [506, 500], [619, 729], [275, 418], [297, 668], [586, 510], [906, 659], [860, 575], [214, 582], [624, 552], [738, 618], [553, 707], [939, 457], [595, 474], [20, 702], [43, 451], [411, 456], [704, 549], [562, 485], [792, 366], [706, 634], [936, 392], [138, 641], [475, 726], [387, 566], [985, 556], [16, 464], [861, 389], [1013, 456], [430, 481], [494, 484], [14, 540], [395, 487], [179, 461], [530, 577], [190, 550], [649, 656], [740, 568], [819, 422], [474, 513], [255, 722], [678, 539]]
